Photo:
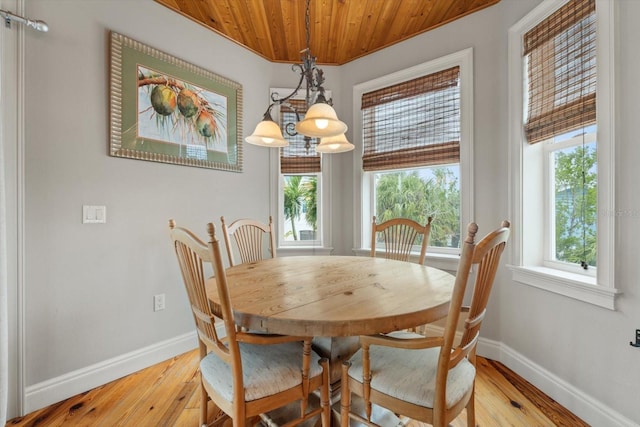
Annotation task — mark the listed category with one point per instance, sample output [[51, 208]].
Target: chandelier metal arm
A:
[[275, 100], [320, 119], [313, 77], [274, 96]]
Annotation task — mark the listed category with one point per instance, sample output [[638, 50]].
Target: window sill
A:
[[447, 262], [285, 251], [576, 286]]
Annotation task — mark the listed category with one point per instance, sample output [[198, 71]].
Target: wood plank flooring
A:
[[167, 394]]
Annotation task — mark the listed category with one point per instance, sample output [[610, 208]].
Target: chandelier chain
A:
[[307, 25]]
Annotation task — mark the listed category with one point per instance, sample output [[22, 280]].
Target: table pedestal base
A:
[[336, 349], [379, 415]]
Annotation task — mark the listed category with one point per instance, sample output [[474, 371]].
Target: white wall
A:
[[89, 288], [8, 129]]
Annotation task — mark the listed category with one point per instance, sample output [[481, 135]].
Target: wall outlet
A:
[[158, 302]]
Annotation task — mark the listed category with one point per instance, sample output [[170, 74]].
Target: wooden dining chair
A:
[[254, 240], [428, 378], [400, 235], [246, 375]]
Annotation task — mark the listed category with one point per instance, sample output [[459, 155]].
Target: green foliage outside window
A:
[[576, 204], [410, 195], [300, 198]]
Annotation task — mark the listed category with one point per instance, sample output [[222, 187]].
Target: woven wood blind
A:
[[413, 123], [294, 158], [561, 54]]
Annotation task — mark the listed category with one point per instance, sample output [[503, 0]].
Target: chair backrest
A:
[[192, 253], [485, 255], [250, 236], [486, 258], [400, 235], [446, 361]]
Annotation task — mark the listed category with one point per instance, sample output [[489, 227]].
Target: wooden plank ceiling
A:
[[340, 30]]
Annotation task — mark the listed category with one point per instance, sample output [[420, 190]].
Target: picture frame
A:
[[167, 110]]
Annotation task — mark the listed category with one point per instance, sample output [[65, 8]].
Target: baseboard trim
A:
[[575, 400], [54, 390]]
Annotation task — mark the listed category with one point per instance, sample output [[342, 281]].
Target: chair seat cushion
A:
[[267, 370], [410, 375]]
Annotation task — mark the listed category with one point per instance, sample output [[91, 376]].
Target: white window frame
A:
[[322, 244], [526, 170], [549, 148], [438, 257]]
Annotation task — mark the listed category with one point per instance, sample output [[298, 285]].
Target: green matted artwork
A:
[[164, 109]]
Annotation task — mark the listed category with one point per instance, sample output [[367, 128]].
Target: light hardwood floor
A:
[[167, 394]]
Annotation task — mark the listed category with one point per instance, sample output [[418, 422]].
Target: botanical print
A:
[[175, 111]]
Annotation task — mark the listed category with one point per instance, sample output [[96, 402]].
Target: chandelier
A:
[[320, 120]]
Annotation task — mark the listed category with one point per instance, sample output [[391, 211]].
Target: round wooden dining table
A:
[[335, 299], [332, 296]]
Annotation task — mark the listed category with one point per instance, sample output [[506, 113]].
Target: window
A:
[[300, 193], [570, 162], [300, 196], [416, 138], [561, 68], [300, 176], [419, 193]]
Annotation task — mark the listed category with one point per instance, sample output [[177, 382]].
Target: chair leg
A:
[[324, 394], [203, 404], [204, 397], [345, 399], [471, 410], [306, 365], [471, 405]]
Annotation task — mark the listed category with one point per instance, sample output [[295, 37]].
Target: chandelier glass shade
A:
[[334, 144], [267, 134], [320, 121]]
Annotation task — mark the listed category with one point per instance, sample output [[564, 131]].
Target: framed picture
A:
[[167, 110]]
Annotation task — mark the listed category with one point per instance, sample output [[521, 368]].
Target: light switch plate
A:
[[158, 302], [94, 214]]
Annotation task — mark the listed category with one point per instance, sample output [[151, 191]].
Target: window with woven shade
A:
[[560, 55], [562, 136], [296, 157], [300, 186], [561, 70], [413, 123], [415, 128]]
